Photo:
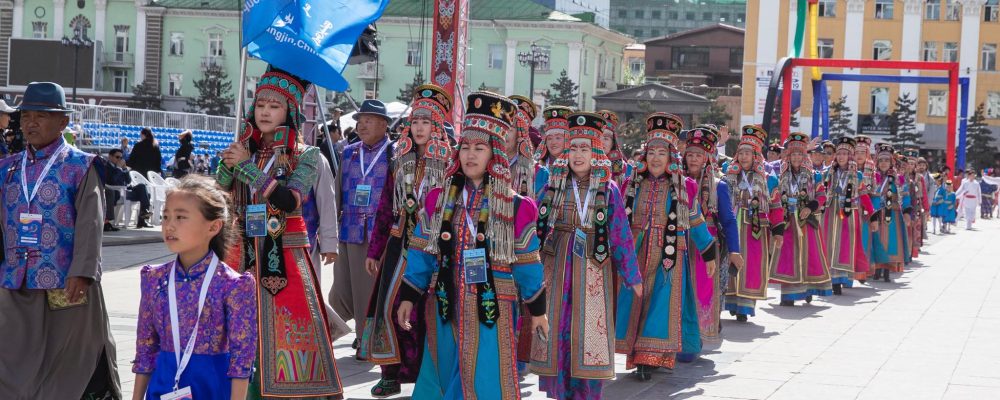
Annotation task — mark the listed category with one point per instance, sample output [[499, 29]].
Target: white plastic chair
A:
[[157, 196], [160, 187], [172, 182], [123, 212]]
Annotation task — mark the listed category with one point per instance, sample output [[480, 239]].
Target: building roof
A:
[[654, 92], [231, 5], [520, 10], [697, 31]]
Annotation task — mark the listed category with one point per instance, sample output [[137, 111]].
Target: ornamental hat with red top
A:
[[610, 118], [753, 137], [703, 137], [556, 117], [431, 101], [846, 143], [281, 86], [884, 150], [863, 140], [586, 125], [525, 107], [797, 142], [663, 129], [487, 116]]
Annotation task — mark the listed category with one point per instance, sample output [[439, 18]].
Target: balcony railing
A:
[[118, 59], [209, 61], [368, 70]]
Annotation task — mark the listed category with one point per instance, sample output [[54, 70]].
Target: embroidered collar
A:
[[196, 270], [45, 152]]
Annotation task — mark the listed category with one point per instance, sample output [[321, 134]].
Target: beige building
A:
[[963, 31]]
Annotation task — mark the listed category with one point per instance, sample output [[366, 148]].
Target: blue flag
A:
[[311, 39]]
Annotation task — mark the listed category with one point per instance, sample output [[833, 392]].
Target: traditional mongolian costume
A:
[[296, 356], [583, 226], [621, 169], [669, 230], [758, 216], [847, 199], [528, 179], [413, 175], [473, 250], [891, 200]]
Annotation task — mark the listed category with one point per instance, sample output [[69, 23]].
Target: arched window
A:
[[80, 26]]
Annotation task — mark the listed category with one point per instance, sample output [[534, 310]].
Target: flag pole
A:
[[240, 99], [321, 109]]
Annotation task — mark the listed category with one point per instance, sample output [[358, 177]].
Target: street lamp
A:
[[533, 59], [78, 41]]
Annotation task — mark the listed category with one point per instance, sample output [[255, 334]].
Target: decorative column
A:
[[968, 54], [58, 9], [911, 49], [100, 20], [855, 23], [510, 67], [18, 25], [140, 42], [451, 18], [573, 70]]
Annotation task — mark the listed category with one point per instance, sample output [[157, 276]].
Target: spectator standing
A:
[[182, 158], [145, 157]]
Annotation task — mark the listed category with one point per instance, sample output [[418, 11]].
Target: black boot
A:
[[787, 303], [809, 299], [885, 276], [642, 373], [741, 317], [837, 289]]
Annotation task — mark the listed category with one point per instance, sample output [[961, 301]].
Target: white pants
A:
[[970, 213]]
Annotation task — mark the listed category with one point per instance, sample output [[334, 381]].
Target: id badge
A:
[[257, 220], [362, 195], [580, 244], [29, 234], [183, 393], [474, 261]]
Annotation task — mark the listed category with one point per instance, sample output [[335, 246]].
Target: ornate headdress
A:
[[555, 122], [615, 153], [883, 150], [434, 103], [797, 142], [488, 117], [703, 137], [277, 85], [846, 143], [663, 128], [524, 166], [589, 126], [753, 138]]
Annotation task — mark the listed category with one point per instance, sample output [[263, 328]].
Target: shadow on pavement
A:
[[801, 310], [743, 332]]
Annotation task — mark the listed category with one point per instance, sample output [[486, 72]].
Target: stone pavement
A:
[[931, 334]]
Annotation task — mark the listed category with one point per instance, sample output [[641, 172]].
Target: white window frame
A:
[[636, 65], [881, 49], [991, 11], [413, 53], [121, 37], [953, 10], [39, 30], [175, 84], [828, 8], [119, 79], [932, 10], [884, 9], [988, 57], [937, 103], [496, 56], [216, 44], [950, 48], [874, 95], [993, 105], [930, 51], [545, 66], [824, 46], [177, 44]]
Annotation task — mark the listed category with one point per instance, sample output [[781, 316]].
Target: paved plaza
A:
[[933, 333]]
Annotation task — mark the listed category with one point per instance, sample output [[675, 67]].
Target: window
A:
[[412, 53], [932, 10], [622, 13], [953, 12], [121, 81], [671, 14], [882, 50], [176, 43], [993, 105], [740, 17], [638, 33], [992, 11], [937, 103], [724, 17], [251, 88], [80, 26], [215, 48], [636, 65], [950, 52], [639, 14], [989, 57], [689, 15], [930, 51], [824, 48], [544, 65], [174, 86], [690, 57], [39, 30], [654, 32], [883, 9], [706, 16], [121, 42], [657, 14], [880, 100], [736, 58], [828, 8], [496, 56], [369, 90]]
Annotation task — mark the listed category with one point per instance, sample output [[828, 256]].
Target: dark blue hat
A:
[[44, 96], [372, 107]]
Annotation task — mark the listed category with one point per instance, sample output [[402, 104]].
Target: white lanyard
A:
[[468, 219], [881, 190], [793, 184], [843, 181], [270, 163], [361, 151], [747, 182], [581, 210], [182, 361], [41, 176]]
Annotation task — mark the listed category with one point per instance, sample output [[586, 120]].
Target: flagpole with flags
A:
[[241, 98]]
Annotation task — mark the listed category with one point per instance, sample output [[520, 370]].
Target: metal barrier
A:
[[166, 119]]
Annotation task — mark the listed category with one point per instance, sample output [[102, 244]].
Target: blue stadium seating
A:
[[107, 136]]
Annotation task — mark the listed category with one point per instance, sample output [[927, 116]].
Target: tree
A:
[[716, 113], [903, 123], [215, 95], [840, 119], [632, 134], [979, 149], [145, 97], [565, 91], [406, 93], [482, 86]]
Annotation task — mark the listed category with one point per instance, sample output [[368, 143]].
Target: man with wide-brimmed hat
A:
[[359, 187], [50, 290]]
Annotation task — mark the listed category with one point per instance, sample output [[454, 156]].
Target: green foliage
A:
[[980, 152], [406, 93], [903, 124], [215, 95], [565, 90], [145, 97], [840, 119]]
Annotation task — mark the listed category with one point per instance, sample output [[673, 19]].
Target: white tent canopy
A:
[[395, 110]]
